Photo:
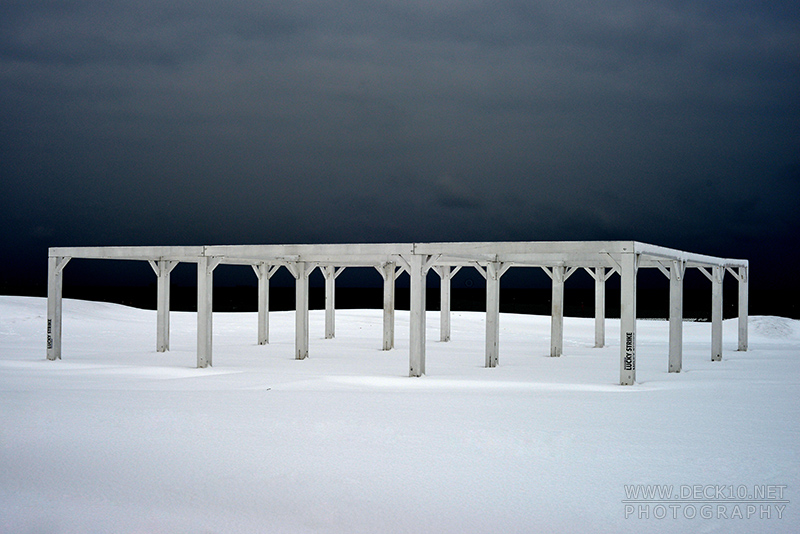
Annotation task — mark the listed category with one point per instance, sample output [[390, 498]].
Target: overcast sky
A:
[[210, 122]]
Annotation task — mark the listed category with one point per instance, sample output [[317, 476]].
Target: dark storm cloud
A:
[[194, 122]]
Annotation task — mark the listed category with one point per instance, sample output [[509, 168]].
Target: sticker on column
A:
[[630, 352]]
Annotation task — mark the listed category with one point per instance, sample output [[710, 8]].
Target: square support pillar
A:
[[627, 337], [205, 305], [445, 273], [676, 273], [599, 307], [717, 276], [163, 270], [493, 273], [162, 308], [301, 333], [743, 305], [263, 273], [416, 357], [330, 273], [55, 285], [557, 312], [389, 273]]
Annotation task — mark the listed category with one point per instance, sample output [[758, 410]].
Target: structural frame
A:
[[559, 259]]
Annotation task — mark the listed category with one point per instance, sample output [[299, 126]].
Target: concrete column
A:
[[557, 313], [301, 311], [444, 315], [493, 313], [743, 305], [205, 294], [676, 316], [717, 276], [389, 274], [55, 285], [163, 270], [162, 308], [417, 316], [329, 272], [599, 307], [262, 271], [627, 336]]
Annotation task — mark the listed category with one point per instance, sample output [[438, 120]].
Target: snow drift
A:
[[119, 438]]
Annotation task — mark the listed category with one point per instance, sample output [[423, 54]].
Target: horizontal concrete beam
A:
[[591, 254]]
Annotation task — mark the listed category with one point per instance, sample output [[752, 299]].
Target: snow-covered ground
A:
[[119, 438]]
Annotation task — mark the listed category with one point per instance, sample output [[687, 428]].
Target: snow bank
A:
[[119, 438]]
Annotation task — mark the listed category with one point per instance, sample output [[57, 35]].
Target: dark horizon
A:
[[523, 290], [665, 122]]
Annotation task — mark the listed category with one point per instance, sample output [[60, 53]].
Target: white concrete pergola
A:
[[559, 260]]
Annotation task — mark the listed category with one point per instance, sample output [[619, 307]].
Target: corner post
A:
[[743, 304], [205, 306], [627, 343], [717, 276], [55, 285], [493, 273], [676, 273], [417, 316], [599, 307], [557, 312]]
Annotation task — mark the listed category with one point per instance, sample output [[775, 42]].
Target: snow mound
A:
[[774, 327]]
